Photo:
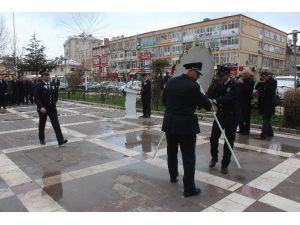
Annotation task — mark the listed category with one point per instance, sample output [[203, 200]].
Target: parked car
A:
[[285, 83], [135, 85]]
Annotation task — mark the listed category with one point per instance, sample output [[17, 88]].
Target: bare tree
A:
[[4, 35]]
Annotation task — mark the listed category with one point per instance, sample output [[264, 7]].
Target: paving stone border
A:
[[204, 117]]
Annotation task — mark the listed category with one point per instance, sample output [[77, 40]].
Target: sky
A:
[[53, 28]]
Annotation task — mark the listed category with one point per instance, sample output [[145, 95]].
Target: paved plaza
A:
[[107, 165]]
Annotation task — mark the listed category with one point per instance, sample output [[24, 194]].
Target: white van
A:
[[285, 83]]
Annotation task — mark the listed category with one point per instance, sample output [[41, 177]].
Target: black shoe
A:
[[142, 116], [4, 107], [174, 180], [224, 170], [261, 137], [213, 163], [63, 142], [42, 142], [240, 132], [246, 133], [195, 191]]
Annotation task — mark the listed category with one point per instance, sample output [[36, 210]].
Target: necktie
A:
[[48, 87]]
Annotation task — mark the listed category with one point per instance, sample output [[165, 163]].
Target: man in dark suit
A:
[[246, 84], [268, 104], [56, 83], [225, 97], [3, 93], [15, 90], [146, 96], [45, 98], [182, 96]]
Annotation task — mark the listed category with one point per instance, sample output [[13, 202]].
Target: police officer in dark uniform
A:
[[182, 97], [226, 97], [45, 98], [56, 83], [146, 96], [3, 93]]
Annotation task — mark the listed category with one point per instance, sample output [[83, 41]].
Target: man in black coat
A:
[[182, 96], [225, 97], [268, 104], [45, 98], [246, 84], [3, 93], [15, 90], [146, 96]]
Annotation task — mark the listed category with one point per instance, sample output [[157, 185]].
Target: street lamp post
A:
[[295, 39], [85, 62]]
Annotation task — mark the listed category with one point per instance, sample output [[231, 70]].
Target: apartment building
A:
[[76, 46], [236, 39]]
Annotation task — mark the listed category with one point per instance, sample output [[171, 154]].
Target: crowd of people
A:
[[19, 91]]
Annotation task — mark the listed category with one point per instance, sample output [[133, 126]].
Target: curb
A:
[[204, 117]]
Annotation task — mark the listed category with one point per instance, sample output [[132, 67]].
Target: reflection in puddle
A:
[[144, 141]]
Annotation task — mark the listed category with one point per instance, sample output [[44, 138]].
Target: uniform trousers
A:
[[146, 102], [187, 145], [52, 113], [229, 124]]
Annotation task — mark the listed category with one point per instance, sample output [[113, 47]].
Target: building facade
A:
[[100, 54], [238, 39], [75, 48]]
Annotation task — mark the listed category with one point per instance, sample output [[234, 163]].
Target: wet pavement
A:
[[107, 165]]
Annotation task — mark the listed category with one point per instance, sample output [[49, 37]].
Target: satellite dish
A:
[[198, 54]]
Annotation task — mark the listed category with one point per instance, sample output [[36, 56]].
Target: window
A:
[[252, 59]]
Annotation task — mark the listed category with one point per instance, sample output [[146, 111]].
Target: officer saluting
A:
[[181, 97], [225, 96], [45, 98]]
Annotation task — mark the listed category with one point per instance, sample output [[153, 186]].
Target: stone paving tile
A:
[[87, 110], [252, 165], [289, 188], [13, 125], [281, 202], [251, 192], [262, 207], [142, 141], [26, 187], [109, 113], [74, 119], [146, 121], [101, 127], [18, 139], [3, 184], [137, 187], [11, 204], [41, 163], [276, 144]]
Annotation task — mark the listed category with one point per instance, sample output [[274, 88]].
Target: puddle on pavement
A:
[[141, 142]]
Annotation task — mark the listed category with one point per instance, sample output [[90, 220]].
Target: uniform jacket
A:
[[3, 88], [15, 87], [44, 97], [182, 97], [146, 89], [227, 97], [269, 92]]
